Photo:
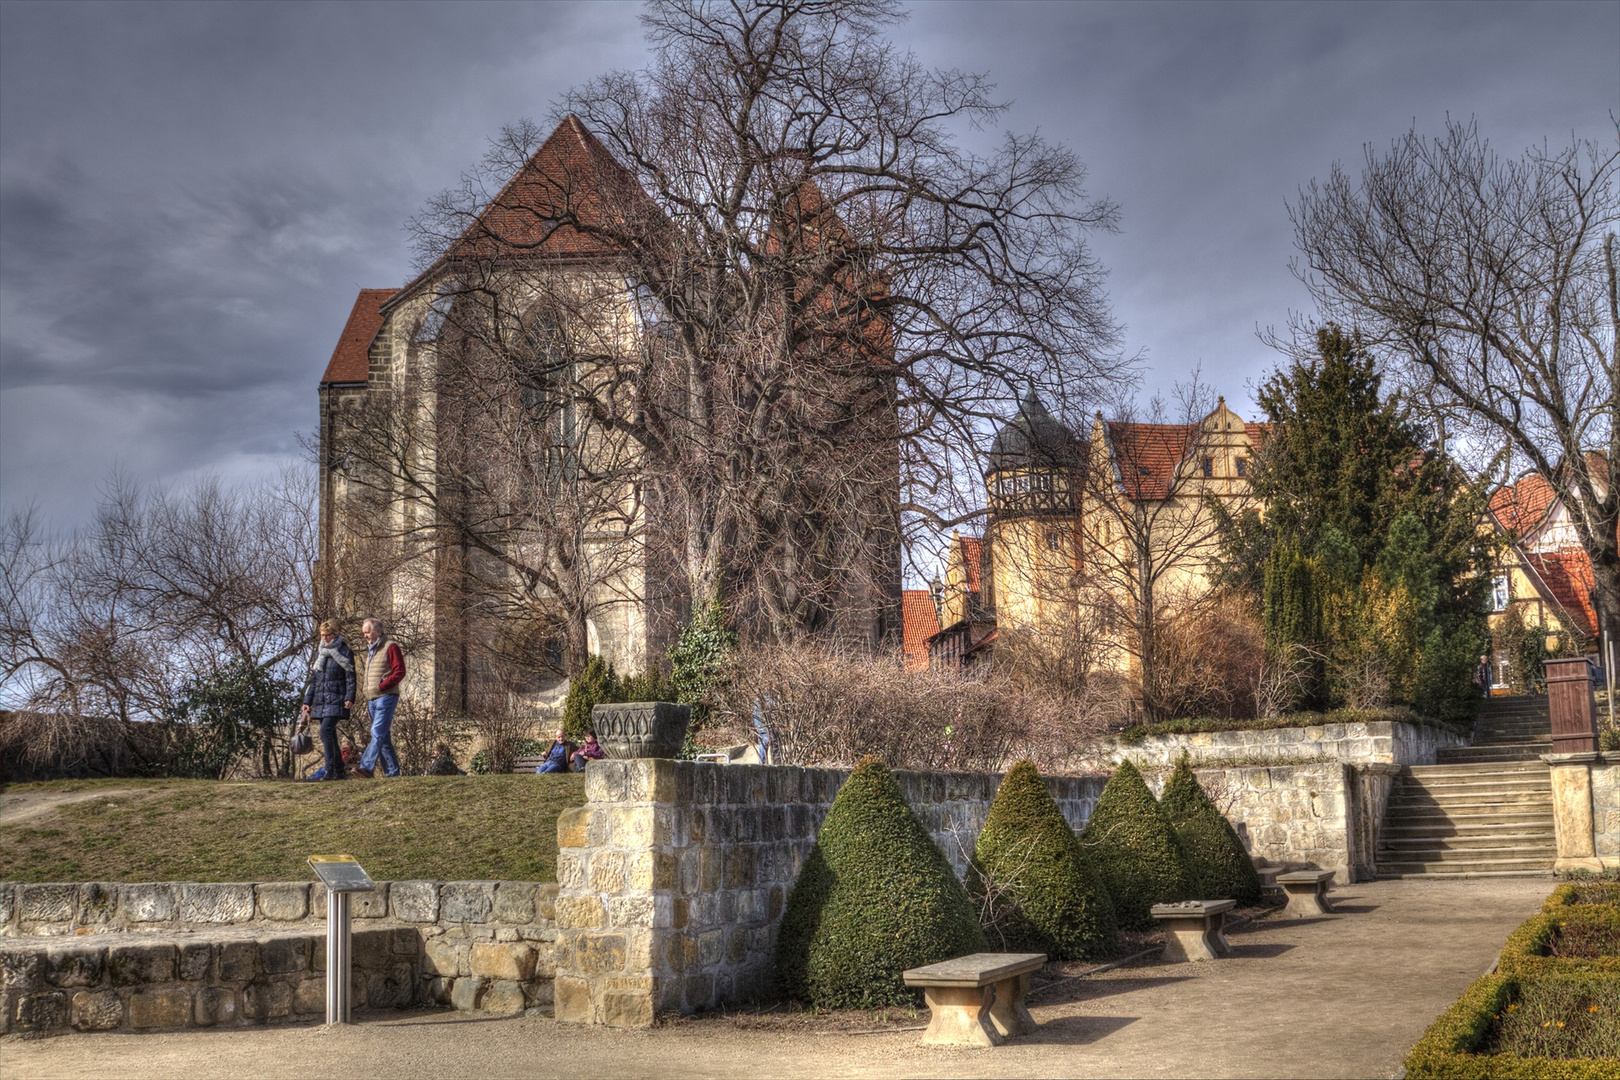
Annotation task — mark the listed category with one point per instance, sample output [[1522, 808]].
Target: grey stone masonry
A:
[[1382, 742], [96, 956], [674, 875]]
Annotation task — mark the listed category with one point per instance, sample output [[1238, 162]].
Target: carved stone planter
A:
[[641, 729]]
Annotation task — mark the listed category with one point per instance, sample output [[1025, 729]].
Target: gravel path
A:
[[1345, 995], [17, 807]]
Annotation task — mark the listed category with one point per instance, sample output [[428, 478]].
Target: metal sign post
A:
[[342, 875]]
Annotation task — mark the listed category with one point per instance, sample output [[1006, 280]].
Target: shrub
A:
[[874, 898], [1571, 939], [1458, 1045], [595, 684], [1217, 862], [1582, 892], [1133, 848], [1035, 892]]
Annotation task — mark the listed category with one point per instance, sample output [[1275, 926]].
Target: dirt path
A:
[[18, 807], [1340, 996]]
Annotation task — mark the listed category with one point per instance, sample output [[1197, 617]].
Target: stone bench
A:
[[1268, 878], [977, 1000], [1194, 929], [1307, 892]]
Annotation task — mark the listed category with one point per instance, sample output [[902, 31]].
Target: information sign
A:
[[341, 873]]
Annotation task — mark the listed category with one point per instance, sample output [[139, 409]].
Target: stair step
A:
[[1386, 873], [1540, 826], [1490, 767], [1481, 866], [1474, 845]]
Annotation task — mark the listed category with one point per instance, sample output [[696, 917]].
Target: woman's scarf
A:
[[330, 652]]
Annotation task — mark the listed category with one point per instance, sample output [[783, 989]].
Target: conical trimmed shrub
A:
[[874, 898], [1031, 880], [1134, 850], [1220, 867]]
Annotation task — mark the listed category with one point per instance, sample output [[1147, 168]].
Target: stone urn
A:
[[641, 729]]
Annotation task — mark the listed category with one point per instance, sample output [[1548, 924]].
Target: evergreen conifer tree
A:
[[1134, 850], [874, 898], [595, 684], [1221, 868], [1031, 879]]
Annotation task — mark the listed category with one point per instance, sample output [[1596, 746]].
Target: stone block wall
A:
[[1384, 742], [254, 952], [1606, 809], [674, 875]]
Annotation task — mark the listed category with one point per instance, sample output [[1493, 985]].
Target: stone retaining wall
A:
[[674, 875], [1386, 742], [98, 956], [1606, 809]]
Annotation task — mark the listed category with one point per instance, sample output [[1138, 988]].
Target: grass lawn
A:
[[436, 827]]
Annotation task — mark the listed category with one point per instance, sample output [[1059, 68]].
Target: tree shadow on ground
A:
[[1075, 1030], [1281, 924], [1088, 989], [1354, 909], [1271, 948]]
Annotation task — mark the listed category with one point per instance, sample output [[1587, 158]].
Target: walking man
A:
[[385, 670], [330, 695]]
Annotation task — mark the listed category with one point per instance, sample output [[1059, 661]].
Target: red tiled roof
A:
[[1568, 575], [1147, 455], [918, 623], [1521, 507], [350, 362], [1256, 432]]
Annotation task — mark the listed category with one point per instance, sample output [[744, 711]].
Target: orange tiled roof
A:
[[350, 361], [918, 623], [1256, 432], [1568, 575], [1147, 455], [1522, 506]]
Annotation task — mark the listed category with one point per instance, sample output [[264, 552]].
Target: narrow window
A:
[[1501, 593], [1209, 466], [1054, 540], [1242, 466]]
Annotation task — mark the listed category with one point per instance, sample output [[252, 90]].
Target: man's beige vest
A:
[[374, 668]]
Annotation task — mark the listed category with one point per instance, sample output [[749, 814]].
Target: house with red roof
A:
[[1548, 576]]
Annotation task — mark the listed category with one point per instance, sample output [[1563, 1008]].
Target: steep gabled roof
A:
[[350, 361], [972, 560], [571, 179], [1147, 455], [1521, 507], [918, 622], [1568, 577]]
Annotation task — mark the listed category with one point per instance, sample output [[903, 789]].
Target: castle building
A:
[[1083, 531]]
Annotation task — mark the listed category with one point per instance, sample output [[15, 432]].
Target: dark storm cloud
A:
[[191, 194]]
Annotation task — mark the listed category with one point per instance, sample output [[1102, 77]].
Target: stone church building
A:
[[503, 545]]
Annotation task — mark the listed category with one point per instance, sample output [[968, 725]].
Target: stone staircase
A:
[[1485, 809], [1506, 729]]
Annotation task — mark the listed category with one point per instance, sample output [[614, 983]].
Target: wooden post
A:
[[1571, 705]]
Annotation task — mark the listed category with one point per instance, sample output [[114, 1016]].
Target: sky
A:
[[192, 194]]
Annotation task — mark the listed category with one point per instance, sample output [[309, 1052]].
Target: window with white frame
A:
[[1501, 593]]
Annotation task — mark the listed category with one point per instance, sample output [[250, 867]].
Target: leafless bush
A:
[[1209, 661], [498, 721], [57, 745], [1283, 681], [417, 732], [829, 705]]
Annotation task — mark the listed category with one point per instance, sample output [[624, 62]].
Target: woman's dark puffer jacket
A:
[[331, 684]]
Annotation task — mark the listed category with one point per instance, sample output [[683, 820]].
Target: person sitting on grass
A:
[[444, 763], [591, 751], [557, 758]]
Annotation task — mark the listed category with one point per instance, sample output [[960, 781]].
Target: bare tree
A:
[[1491, 286], [163, 588], [835, 298], [1156, 490]]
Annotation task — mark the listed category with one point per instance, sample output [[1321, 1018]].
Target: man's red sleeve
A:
[[396, 670]]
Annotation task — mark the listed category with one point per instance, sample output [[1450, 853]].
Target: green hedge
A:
[[875, 897], [1450, 1048], [1575, 893], [1217, 861], [1526, 950], [1134, 850], [1029, 875]]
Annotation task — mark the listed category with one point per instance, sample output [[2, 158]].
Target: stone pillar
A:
[[1572, 810]]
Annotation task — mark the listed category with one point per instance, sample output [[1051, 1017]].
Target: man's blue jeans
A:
[[382, 739]]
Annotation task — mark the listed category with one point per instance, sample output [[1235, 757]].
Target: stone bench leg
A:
[[1216, 935], [960, 1016], [1187, 940], [1306, 899], [1008, 1012]]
